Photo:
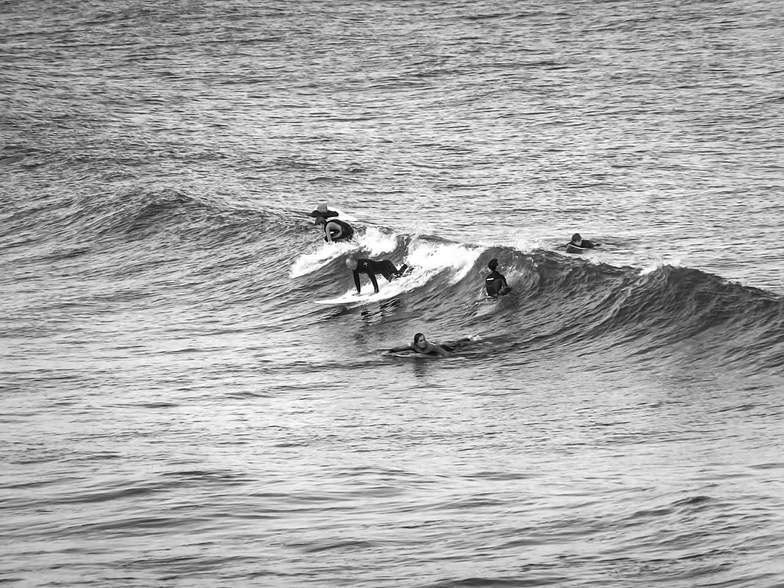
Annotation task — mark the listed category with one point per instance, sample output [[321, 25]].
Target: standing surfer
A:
[[371, 267]]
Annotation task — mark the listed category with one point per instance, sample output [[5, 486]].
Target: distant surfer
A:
[[578, 244], [421, 346], [334, 229], [495, 282], [371, 267]]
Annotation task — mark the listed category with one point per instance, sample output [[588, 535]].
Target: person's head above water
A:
[[419, 340], [322, 208], [576, 238], [493, 264]]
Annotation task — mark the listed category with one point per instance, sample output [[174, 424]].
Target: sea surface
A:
[[180, 407]]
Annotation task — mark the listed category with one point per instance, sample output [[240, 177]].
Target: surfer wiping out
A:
[[495, 282], [334, 229], [578, 244], [371, 267]]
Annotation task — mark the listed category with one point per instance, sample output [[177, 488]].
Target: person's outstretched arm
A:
[[400, 348], [328, 231]]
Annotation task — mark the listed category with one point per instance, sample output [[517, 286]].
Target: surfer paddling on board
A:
[[495, 282], [334, 229], [421, 346], [371, 267], [578, 244]]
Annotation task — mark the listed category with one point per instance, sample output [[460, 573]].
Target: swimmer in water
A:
[[423, 347], [495, 282], [578, 244], [371, 267]]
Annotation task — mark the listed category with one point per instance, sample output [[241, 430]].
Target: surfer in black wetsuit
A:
[[425, 347], [495, 282], [422, 346], [371, 267], [578, 244], [334, 228]]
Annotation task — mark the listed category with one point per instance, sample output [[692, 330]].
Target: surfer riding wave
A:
[[371, 267]]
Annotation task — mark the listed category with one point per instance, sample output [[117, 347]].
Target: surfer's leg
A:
[[400, 271]]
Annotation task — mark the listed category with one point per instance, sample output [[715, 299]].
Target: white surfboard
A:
[[387, 290], [354, 299]]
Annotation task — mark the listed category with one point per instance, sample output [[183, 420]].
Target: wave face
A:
[[559, 304]]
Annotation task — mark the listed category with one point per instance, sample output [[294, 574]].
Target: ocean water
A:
[[179, 408]]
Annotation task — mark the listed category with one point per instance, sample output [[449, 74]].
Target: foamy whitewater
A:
[[192, 393]]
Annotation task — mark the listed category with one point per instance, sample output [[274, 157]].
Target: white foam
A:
[[653, 265], [372, 240], [406, 283], [528, 245], [376, 242], [648, 269], [310, 262], [430, 258]]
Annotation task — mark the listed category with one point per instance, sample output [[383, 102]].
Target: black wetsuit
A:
[[327, 214], [338, 230], [371, 267], [495, 284], [573, 247], [449, 347]]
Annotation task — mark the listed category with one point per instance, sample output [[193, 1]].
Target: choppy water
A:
[[178, 410]]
